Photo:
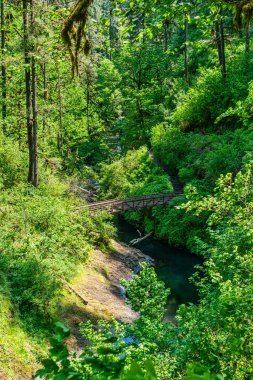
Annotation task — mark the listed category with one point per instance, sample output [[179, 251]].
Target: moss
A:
[[74, 32], [243, 8]]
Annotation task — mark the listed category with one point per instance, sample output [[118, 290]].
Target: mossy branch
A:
[[74, 32], [243, 8]]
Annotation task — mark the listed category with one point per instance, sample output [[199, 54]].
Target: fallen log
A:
[[136, 241], [88, 192], [70, 289]]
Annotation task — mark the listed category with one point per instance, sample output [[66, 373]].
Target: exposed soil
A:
[[98, 283]]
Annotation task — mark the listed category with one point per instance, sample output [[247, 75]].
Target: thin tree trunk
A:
[[219, 29], [110, 30], [28, 91], [88, 106], [143, 28], [45, 92], [247, 36], [218, 41], [35, 125], [35, 181], [224, 71], [166, 41], [60, 133], [186, 50], [166, 34], [3, 69], [45, 95]]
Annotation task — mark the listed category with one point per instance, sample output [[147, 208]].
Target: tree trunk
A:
[[45, 92], [247, 36], [186, 51], [29, 123], [224, 71], [3, 69], [166, 34], [60, 133], [218, 41], [31, 95], [110, 30], [45, 96], [88, 106], [35, 181], [219, 30]]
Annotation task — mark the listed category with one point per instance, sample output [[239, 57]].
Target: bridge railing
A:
[[117, 205]]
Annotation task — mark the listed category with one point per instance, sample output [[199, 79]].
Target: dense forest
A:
[[112, 99]]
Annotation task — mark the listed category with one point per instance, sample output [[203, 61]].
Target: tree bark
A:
[[166, 34], [45, 96], [29, 123], [31, 94], [220, 40], [224, 70], [140, 239], [186, 49], [88, 105], [247, 36], [35, 181], [60, 133], [3, 68], [110, 30]]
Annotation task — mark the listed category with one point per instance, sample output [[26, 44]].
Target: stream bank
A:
[[98, 282], [174, 266]]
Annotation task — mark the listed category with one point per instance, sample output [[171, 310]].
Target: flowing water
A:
[[174, 266]]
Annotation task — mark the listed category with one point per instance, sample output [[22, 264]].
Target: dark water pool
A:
[[174, 266]]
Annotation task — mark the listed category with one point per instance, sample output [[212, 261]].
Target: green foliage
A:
[[204, 157], [12, 164], [169, 145], [19, 353], [143, 91], [108, 355], [134, 174], [110, 97], [178, 227], [199, 372], [200, 106], [103, 359], [219, 331], [210, 97], [43, 238], [147, 295]]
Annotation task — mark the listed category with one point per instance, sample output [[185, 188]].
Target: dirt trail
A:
[[99, 284], [177, 186]]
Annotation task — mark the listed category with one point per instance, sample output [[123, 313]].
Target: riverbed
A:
[[173, 265]]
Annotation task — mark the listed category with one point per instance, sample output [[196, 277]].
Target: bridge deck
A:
[[117, 205]]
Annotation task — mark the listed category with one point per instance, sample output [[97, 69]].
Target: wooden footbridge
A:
[[121, 205], [134, 203]]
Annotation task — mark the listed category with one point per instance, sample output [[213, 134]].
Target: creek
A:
[[174, 266]]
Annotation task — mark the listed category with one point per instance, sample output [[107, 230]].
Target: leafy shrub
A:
[[219, 330], [203, 103], [169, 144], [134, 174], [12, 164], [43, 239], [147, 295], [19, 353]]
